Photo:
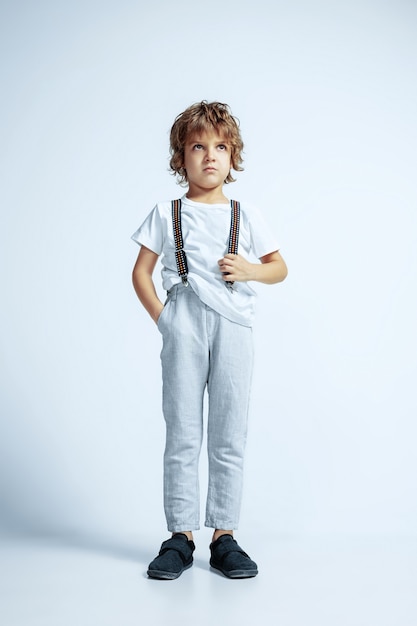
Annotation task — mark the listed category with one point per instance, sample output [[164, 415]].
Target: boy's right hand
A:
[[143, 283]]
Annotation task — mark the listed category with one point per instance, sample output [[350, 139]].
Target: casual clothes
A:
[[201, 348], [207, 343], [205, 229]]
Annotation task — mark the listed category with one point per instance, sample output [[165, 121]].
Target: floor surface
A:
[[305, 581]]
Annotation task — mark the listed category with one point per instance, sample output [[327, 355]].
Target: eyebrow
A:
[[197, 140]]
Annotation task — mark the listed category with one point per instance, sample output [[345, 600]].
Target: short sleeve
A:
[[151, 233], [263, 240]]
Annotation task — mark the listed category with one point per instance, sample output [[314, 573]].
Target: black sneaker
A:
[[228, 557], [175, 556]]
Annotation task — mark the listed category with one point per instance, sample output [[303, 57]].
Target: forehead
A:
[[207, 136]]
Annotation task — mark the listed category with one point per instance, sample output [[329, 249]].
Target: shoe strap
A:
[[222, 549], [184, 548]]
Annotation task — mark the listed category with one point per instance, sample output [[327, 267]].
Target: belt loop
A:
[[172, 293]]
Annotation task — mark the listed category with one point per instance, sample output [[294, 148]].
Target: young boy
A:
[[206, 331]]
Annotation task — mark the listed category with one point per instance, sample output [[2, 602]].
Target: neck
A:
[[211, 196]]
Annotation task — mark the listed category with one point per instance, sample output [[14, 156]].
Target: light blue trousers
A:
[[203, 350]]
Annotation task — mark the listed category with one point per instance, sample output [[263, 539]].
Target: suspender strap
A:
[[180, 257], [234, 227], [234, 233]]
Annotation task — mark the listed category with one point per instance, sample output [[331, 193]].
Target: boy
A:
[[206, 330]]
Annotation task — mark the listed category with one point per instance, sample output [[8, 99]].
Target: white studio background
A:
[[326, 95]]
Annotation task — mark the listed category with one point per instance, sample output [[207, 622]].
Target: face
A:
[[207, 160]]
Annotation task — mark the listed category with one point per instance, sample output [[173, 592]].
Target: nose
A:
[[210, 154]]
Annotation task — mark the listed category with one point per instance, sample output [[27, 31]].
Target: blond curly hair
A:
[[198, 118]]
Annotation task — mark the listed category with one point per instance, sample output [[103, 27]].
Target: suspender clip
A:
[[184, 281]]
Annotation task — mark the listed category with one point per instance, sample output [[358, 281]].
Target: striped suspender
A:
[[180, 256], [234, 232], [234, 227]]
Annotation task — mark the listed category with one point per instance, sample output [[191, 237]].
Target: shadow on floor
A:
[[127, 549]]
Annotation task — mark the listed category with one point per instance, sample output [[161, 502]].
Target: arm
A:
[[143, 283], [272, 268]]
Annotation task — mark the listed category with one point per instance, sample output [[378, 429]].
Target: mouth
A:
[[210, 169]]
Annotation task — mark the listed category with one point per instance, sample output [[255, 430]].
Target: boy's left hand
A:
[[235, 267]]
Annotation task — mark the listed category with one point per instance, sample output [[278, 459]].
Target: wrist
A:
[[155, 317], [253, 274], [155, 311]]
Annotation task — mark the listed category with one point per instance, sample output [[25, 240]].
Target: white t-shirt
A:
[[205, 231]]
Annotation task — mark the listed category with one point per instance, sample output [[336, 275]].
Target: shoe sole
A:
[[161, 575], [236, 573]]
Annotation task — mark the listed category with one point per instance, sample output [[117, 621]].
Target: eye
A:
[[222, 147], [197, 146]]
